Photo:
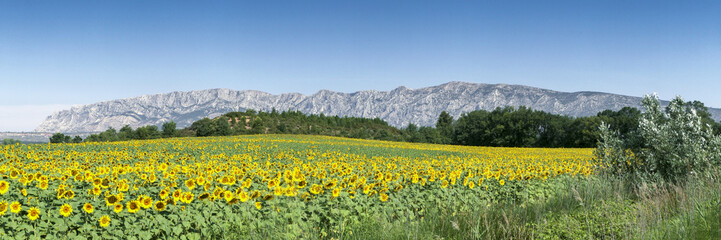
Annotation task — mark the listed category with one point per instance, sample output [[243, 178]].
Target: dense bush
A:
[[669, 144]]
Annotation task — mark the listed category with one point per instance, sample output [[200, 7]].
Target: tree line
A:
[[501, 127]]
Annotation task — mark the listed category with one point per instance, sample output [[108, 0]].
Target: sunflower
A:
[[228, 195], [105, 183], [302, 184], [190, 184], [268, 197], [96, 182], [176, 194], [316, 189], [117, 208], [69, 194], [247, 183], [43, 185], [66, 210], [330, 184], [444, 184], [187, 197], [104, 221], [3, 207], [502, 182], [204, 196], [146, 202], [336, 192], [33, 213], [159, 206], [272, 183], [110, 200], [255, 195], [133, 206], [164, 193], [243, 196], [383, 197], [471, 184], [170, 201], [88, 208], [278, 191], [200, 180], [97, 191], [258, 205], [15, 207]]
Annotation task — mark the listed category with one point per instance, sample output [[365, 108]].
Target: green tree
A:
[[77, 139], [221, 126], [109, 135], [9, 141], [126, 133], [444, 125], [169, 129], [147, 132], [59, 138], [203, 127]]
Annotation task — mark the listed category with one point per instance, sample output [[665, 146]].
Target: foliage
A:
[[522, 127], [169, 129], [669, 145], [9, 141]]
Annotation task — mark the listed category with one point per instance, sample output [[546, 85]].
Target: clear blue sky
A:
[[57, 53]]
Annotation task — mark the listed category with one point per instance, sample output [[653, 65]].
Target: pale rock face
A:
[[398, 107]]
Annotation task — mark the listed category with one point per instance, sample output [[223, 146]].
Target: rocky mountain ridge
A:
[[398, 107]]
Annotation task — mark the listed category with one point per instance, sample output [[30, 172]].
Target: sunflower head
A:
[[164, 193], [66, 210], [88, 208], [133, 206], [187, 197], [117, 208], [190, 184], [33, 213], [159, 206], [3, 207], [146, 202], [104, 221], [110, 200], [255, 194], [69, 194], [383, 197], [15, 207], [204, 196]]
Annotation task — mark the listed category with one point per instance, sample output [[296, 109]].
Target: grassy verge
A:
[[579, 208]]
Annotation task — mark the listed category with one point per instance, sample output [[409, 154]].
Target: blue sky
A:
[[54, 54]]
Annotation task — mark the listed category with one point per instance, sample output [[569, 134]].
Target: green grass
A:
[[592, 208]]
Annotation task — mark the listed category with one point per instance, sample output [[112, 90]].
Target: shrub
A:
[[669, 145]]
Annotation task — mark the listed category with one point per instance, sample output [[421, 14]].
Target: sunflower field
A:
[[295, 186]]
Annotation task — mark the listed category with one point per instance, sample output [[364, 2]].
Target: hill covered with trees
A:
[[502, 127]]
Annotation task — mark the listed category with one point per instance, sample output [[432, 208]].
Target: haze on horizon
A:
[[57, 54]]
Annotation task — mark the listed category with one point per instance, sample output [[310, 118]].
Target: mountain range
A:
[[398, 107]]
